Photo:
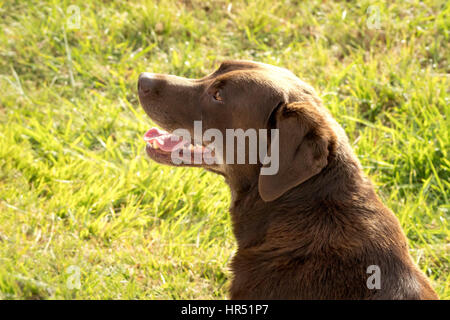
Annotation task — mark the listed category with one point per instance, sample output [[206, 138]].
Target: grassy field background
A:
[[85, 214]]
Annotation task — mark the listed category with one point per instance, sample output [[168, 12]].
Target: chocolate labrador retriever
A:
[[313, 230]]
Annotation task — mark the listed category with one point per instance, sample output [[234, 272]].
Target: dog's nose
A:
[[146, 82]]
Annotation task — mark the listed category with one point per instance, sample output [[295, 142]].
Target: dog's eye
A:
[[217, 96]]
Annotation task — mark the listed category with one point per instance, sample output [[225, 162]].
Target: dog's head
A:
[[246, 98]]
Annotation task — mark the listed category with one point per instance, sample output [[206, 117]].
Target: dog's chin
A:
[[169, 149], [166, 158]]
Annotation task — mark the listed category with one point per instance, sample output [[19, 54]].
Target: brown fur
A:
[[311, 230]]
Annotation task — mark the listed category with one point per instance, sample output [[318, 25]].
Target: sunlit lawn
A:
[[78, 194]]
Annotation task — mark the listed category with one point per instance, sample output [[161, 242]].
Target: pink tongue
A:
[[166, 141]]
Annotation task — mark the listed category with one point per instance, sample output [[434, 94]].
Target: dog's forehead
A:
[[234, 65], [259, 74], [230, 65]]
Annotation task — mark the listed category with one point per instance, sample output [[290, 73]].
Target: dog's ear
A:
[[304, 144]]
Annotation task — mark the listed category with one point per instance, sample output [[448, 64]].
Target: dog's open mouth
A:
[[168, 148]]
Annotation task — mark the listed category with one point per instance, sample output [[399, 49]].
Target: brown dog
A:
[[315, 229]]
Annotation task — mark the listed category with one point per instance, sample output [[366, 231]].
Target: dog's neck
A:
[[251, 216]]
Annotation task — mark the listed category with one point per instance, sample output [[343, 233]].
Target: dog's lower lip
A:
[[161, 139], [162, 145]]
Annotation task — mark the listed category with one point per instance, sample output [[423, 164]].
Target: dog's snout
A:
[[146, 82]]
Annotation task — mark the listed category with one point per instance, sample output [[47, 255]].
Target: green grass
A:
[[76, 188]]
